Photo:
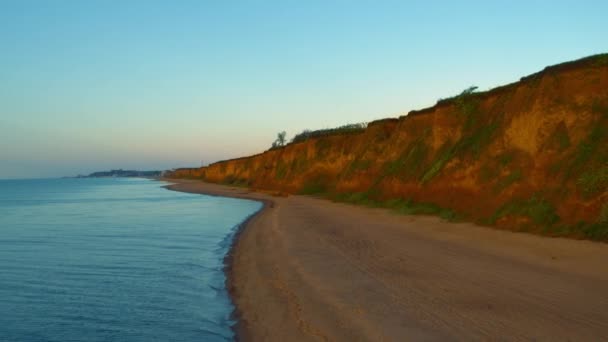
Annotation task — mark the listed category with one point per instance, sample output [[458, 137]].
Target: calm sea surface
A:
[[114, 260]]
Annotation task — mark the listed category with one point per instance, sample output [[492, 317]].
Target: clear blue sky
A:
[[94, 85]]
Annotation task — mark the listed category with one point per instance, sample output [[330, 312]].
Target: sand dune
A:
[[310, 269]]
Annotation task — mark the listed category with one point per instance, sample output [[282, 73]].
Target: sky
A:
[[98, 85]]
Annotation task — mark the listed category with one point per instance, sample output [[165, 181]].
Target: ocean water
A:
[[114, 260]]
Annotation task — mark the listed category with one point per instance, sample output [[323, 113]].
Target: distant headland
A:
[[122, 173]]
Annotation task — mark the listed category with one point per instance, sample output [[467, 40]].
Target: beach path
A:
[[308, 269]]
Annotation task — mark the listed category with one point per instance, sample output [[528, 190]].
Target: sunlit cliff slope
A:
[[532, 155]]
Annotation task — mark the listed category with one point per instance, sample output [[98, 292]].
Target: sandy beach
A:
[[307, 269]]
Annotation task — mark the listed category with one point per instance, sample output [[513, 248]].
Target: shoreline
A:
[[309, 269], [239, 327]]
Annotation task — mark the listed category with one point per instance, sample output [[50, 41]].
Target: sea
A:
[[115, 259]]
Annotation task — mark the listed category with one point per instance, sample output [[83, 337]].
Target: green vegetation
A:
[[280, 141], [603, 217], [345, 129], [600, 60], [317, 185], [537, 209], [359, 198], [439, 163], [586, 147], [357, 165], [235, 181], [409, 207], [478, 139], [467, 105], [313, 188], [596, 231], [491, 170], [591, 157], [469, 143], [475, 135], [594, 181], [299, 164], [514, 176], [464, 94], [411, 161], [281, 170], [563, 140], [589, 160], [401, 206]]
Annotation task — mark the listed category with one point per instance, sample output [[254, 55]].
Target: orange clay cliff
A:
[[528, 156]]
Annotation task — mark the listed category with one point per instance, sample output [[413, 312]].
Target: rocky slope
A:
[[531, 156]]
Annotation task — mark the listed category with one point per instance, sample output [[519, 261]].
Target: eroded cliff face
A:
[[532, 155]]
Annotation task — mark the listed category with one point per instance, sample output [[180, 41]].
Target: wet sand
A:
[[307, 269]]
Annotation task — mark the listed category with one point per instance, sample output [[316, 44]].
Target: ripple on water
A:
[[114, 259]]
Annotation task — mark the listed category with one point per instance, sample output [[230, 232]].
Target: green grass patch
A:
[[594, 181], [540, 211], [600, 60], [235, 181], [471, 143], [491, 170], [596, 231], [586, 147], [416, 156], [299, 164], [280, 171], [344, 129], [409, 207], [359, 198], [400, 206], [586, 154], [514, 176], [563, 140], [479, 139], [411, 161], [475, 135], [603, 216], [314, 187], [358, 165], [439, 163]]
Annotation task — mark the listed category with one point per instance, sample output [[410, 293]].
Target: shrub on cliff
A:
[[280, 141], [345, 129]]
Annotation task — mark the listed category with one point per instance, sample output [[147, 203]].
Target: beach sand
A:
[[307, 269]]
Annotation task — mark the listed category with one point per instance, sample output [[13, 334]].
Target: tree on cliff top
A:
[[280, 141]]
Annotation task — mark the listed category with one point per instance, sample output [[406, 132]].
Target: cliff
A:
[[531, 156]]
